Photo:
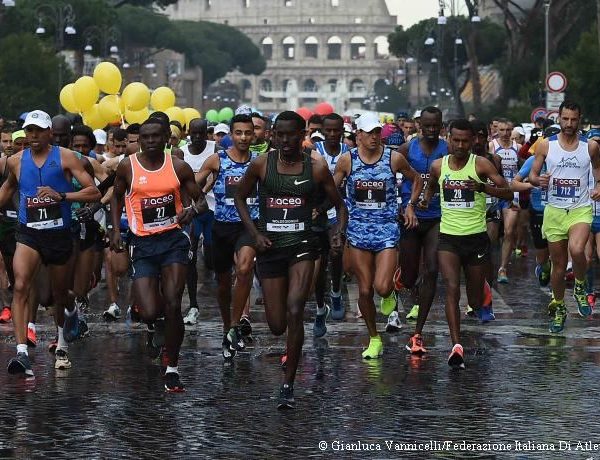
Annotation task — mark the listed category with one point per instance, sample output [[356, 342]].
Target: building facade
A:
[[316, 50]]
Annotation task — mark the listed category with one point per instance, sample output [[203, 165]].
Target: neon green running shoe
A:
[[413, 313], [557, 324], [388, 304], [375, 349]]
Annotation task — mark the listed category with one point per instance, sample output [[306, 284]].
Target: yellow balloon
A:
[[176, 113], [67, 100], [108, 77], [136, 96], [85, 93], [162, 98], [93, 118], [190, 113], [110, 108], [137, 116]]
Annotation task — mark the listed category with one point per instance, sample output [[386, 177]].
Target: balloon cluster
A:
[[322, 108], [223, 115], [132, 106]]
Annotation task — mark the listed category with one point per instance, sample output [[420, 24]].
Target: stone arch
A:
[[358, 47], [267, 47], [311, 47], [334, 47], [381, 46], [289, 47]]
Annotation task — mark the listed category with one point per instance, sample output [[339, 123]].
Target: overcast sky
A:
[[410, 12]]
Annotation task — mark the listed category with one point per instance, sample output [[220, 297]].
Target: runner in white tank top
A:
[[568, 214]]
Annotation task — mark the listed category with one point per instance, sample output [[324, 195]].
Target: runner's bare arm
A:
[[210, 166], [342, 169], [10, 185], [432, 183], [594, 151], [324, 178], [541, 151], [485, 169], [400, 164], [122, 180]]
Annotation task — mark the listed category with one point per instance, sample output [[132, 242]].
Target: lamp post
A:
[[107, 38], [63, 17], [547, 35]]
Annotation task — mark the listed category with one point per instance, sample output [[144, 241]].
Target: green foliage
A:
[[28, 75]]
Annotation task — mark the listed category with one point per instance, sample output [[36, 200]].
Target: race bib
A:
[[399, 179], [43, 213], [369, 194], [566, 189], [331, 214], [231, 187], [158, 212], [286, 214], [457, 195]]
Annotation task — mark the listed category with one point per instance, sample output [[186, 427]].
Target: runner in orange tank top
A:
[[155, 187]]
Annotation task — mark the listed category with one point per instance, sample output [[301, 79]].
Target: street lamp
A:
[[457, 42], [547, 35], [8, 3], [105, 37], [63, 17]]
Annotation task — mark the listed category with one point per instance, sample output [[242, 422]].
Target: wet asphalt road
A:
[[522, 385]]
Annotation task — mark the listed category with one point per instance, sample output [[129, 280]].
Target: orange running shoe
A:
[[456, 358], [415, 345], [6, 315], [487, 294], [31, 337]]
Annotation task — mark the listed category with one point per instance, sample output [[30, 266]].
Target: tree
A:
[[27, 81], [144, 3]]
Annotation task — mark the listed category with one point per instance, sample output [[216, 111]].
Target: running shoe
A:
[[286, 397], [398, 286], [227, 349], [487, 294], [113, 313], [485, 314], [5, 315], [569, 275], [84, 330], [62, 360], [338, 309], [388, 304], [393, 322], [557, 324], [583, 307], [543, 275], [552, 308], [502, 278], [358, 312], [375, 349], [173, 383], [245, 327], [518, 252], [31, 337], [457, 357], [234, 337], [259, 301], [320, 326], [52, 345], [133, 313], [191, 318], [470, 312], [20, 365], [283, 360], [415, 345], [71, 326], [591, 299], [413, 314]]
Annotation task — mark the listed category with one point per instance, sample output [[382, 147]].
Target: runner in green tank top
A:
[[461, 179], [287, 180]]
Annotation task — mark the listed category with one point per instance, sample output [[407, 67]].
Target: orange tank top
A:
[[154, 199]]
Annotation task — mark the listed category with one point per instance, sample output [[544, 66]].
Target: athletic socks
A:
[[172, 369], [62, 343], [31, 326]]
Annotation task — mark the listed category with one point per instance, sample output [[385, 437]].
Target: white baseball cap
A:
[[38, 118], [221, 128], [367, 122], [243, 110], [100, 136], [318, 135]]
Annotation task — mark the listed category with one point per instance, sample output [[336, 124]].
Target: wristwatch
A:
[[411, 203], [63, 196]]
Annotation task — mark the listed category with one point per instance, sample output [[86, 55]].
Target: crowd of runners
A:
[[295, 209]]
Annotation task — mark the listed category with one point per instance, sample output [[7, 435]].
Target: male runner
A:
[[234, 245], [461, 180], [155, 186], [195, 154], [331, 150], [42, 174], [420, 153], [508, 151], [262, 134], [373, 231], [287, 180], [568, 214]]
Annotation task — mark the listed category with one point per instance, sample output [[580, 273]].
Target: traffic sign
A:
[[553, 115], [556, 82], [553, 100], [538, 112]]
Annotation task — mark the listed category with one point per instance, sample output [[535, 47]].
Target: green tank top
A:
[[463, 210], [286, 203]]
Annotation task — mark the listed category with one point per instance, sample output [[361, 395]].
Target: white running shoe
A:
[[113, 313], [192, 316], [393, 322]]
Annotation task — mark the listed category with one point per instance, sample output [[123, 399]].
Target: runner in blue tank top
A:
[[420, 153], [230, 239], [331, 149], [43, 176], [370, 170]]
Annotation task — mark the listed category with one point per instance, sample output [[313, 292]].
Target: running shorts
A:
[[557, 222], [471, 249], [149, 254], [373, 236]]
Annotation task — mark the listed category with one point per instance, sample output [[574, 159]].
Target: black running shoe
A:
[[245, 326], [84, 330], [227, 349], [20, 365], [234, 337], [173, 383], [286, 397]]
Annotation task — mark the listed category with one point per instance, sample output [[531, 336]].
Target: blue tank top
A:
[[331, 160], [372, 189], [43, 214], [538, 197], [225, 188], [421, 163]]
